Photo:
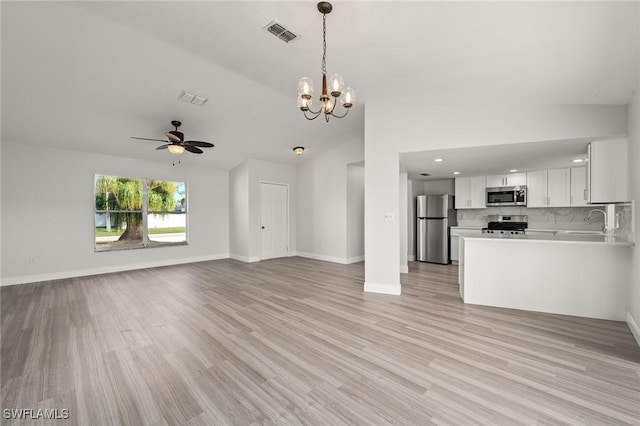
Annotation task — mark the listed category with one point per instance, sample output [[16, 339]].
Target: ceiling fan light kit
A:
[[176, 149], [332, 88], [176, 143], [298, 150]]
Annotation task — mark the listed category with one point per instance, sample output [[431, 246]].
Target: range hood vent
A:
[[280, 31]]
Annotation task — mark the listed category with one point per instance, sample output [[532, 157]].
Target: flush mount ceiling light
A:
[[513, 170], [298, 150], [438, 160], [577, 160], [456, 173], [335, 83]]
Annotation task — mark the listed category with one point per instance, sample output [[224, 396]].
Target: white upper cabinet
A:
[[549, 188], [511, 179], [607, 172], [470, 192], [537, 189], [559, 188], [578, 186]]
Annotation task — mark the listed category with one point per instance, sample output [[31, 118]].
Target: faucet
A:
[[604, 216]]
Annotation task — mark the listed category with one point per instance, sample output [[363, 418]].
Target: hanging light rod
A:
[[335, 83]]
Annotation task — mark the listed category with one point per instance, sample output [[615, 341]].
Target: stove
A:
[[502, 224]]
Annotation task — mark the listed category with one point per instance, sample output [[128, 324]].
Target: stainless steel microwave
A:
[[507, 196]]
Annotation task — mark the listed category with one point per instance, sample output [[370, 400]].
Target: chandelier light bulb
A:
[[305, 88], [328, 105], [348, 97], [304, 104], [336, 85]]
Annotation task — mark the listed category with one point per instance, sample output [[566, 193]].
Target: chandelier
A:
[[335, 83]]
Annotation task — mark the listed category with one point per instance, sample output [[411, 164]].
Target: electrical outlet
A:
[[552, 217], [33, 258]]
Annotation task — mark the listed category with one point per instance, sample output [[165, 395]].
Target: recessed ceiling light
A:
[[438, 160], [513, 170], [456, 173], [577, 160]]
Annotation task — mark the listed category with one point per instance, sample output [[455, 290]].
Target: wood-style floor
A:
[[297, 341]]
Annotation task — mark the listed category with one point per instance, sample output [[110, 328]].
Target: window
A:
[[138, 213]]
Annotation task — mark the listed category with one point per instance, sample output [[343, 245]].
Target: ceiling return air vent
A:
[[190, 98], [280, 31]]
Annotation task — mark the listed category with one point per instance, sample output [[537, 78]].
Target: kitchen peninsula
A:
[[581, 274]]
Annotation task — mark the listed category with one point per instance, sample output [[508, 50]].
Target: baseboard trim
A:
[[393, 289], [404, 269], [411, 257], [245, 259], [355, 259], [633, 326], [25, 279], [322, 257]]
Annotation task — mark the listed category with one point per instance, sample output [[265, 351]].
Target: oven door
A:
[[502, 196]]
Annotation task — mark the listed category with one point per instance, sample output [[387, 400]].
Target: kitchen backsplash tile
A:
[[539, 218], [624, 221]]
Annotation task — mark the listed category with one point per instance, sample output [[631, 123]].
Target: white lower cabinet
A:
[[455, 241]]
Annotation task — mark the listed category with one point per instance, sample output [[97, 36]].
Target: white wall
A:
[[403, 222], [239, 212], [633, 308], [322, 202], [445, 186], [355, 213], [416, 187], [47, 212], [415, 127]]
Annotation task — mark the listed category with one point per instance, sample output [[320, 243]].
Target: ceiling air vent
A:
[[190, 98], [280, 31]]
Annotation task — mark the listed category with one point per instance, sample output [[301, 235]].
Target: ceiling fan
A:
[[176, 143]]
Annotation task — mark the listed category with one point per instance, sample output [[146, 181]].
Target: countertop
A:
[[558, 236]]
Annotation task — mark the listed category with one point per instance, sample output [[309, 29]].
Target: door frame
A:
[[286, 185]]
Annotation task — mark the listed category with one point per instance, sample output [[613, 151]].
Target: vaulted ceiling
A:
[[89, 75]]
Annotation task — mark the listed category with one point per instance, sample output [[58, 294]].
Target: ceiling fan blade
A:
[[193, 149], [147, 139], [200, 144], [162, 147], [175, 135]]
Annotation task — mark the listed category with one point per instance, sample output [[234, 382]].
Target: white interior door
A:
[[274, 200]]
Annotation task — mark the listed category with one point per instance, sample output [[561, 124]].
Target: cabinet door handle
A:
[[584, 195]]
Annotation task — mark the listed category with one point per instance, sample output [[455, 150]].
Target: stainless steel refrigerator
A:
[[435, 214]]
